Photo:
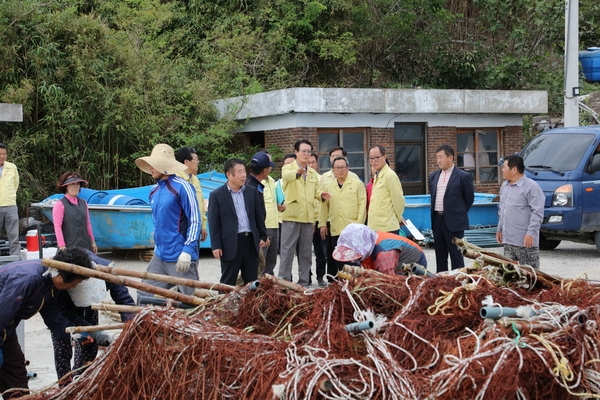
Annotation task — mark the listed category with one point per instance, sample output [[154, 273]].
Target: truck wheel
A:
[[546, 244]]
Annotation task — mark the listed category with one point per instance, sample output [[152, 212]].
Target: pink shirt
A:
[[58, 215]]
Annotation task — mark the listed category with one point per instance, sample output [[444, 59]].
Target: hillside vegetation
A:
[[101, 82]]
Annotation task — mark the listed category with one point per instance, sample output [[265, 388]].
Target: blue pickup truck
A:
[[565, 162]]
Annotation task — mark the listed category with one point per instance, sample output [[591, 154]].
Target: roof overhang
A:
[[382, 101]]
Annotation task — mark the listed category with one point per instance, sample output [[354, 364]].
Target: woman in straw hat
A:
[[176, 217]]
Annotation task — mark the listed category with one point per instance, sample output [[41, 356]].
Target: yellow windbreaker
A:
[[346, 206], [272, 218], [387, 202], [9, 183], [300, 193]]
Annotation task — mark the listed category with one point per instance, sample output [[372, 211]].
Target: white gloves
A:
[[183, 262]]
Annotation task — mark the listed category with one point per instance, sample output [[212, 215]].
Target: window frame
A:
[[477, 153]]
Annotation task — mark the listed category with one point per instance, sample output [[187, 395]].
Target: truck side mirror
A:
[[595, 165]]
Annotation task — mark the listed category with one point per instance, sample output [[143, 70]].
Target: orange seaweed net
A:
[[427, 341]]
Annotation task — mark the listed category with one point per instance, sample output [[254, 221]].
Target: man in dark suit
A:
[[452, 195], [237, 225]]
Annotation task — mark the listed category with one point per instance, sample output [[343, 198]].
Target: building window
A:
[[478, 153], [353, 140], [409, 157]]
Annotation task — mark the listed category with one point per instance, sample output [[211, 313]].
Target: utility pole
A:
[[571, 87]]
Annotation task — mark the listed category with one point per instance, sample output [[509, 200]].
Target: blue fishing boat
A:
[[484, 211], [122, 218]]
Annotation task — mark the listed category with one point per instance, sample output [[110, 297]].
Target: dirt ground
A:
[[569, 260]]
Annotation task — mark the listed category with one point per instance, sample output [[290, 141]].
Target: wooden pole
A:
[[166, 278], [284, 283], [76, 269], [116, 307], [93, 328]]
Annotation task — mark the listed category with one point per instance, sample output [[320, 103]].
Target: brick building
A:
[[481, 125]]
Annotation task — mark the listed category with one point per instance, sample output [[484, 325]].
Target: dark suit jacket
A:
[[458, 198], [223, 221]]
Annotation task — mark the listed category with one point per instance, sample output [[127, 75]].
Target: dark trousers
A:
[[442, 242], [245, 260], [320, 251], [63, 351], [13, 373], [271, 251], [333, 266]]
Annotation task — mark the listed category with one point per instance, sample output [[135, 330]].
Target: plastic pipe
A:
[[254, 286], [31, 374], [359, 326], [417, 269], [497, 312]]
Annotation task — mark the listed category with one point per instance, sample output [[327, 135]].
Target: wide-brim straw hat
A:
[[162, 159]]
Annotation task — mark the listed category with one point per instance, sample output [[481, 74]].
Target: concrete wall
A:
[[11, 112]]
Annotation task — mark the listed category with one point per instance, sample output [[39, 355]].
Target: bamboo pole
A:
[[76, 269], [166, 278], [284, 283], [116, 307], [93, 328], [522, 324], [491, 260]]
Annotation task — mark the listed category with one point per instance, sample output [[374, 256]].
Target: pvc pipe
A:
[[359, 326], [31, 374], [419, 270], [253, 286], [497, 312]]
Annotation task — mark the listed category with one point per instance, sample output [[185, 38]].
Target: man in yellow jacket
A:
[[387, 198], [347, 205], [272, 223], [9, 213], [301, 186], [188, 157]]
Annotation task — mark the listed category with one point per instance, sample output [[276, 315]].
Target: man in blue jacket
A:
[[176, 217], [25, 286]]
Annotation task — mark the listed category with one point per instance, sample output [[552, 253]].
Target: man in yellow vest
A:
[[387, 198], [9, 214], [301, 185]]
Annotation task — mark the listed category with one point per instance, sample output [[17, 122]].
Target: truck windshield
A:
[[556, 152]]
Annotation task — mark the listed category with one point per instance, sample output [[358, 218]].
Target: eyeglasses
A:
[[304, 151], [376, 158], [340, 168]]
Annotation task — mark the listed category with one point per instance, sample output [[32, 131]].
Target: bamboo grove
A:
[[102, 81]]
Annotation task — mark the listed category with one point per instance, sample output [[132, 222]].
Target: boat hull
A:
[[483, 212]]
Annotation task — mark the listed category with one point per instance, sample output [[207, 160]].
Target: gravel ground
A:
[[568, 260]]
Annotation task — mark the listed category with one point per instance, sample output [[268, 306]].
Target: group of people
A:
[[251, 219]]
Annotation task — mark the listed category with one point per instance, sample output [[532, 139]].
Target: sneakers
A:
[[321, 282]]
